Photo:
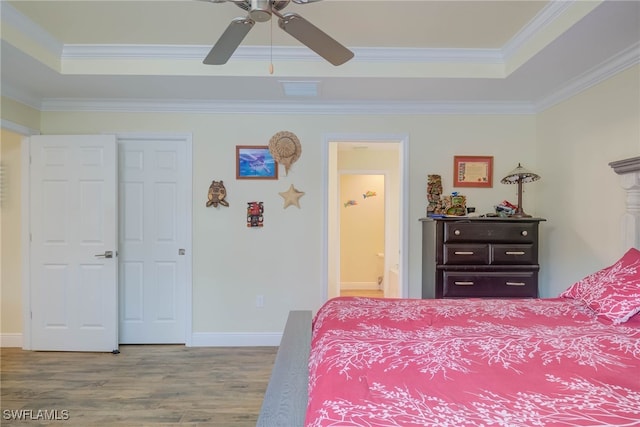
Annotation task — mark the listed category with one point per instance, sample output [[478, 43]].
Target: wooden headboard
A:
[[629, 171]]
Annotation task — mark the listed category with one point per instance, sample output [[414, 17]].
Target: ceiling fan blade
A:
[[229, 41], [314, 38]]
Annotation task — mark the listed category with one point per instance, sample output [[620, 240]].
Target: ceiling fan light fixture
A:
[[260, 10], [292, 23]]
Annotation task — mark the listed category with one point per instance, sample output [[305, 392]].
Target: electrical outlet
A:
[[259, 300]]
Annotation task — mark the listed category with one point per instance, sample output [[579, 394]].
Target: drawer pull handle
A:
[[463, 252], [514, 252], [463, 283], [524, 233], [456, 232], [516, 284]]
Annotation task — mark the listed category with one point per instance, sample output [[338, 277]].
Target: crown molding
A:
[[552, 11], [625, 166], [260, 107], [604, 71], [183, 52], [18, 128], [601, 72], [11, 16], [127, 51], [280, 53], [22, 97], [423, 55]]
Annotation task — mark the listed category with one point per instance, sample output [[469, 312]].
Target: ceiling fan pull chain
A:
[[271, 47]]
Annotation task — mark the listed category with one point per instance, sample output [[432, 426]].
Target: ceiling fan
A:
[[298, 27]]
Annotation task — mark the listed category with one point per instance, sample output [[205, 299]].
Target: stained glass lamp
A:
[[519, 176]]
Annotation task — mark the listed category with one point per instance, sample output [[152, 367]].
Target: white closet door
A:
[[73, 226], [153, 235]]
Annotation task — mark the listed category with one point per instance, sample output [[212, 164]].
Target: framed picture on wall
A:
[[473, 171], [255, 162]]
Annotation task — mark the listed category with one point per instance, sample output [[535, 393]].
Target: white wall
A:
[[10, 274], [362, 231], [579, 193], [569, 146], [282, 261]]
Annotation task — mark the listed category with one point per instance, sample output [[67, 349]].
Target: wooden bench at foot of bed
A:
[[285, 401]]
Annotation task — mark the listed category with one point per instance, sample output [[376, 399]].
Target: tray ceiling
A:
[[410, 56]]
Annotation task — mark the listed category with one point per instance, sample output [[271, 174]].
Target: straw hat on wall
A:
[[285, 148]]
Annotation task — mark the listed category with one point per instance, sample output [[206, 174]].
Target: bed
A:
[[377, 362], [572, 360], [567, 361]]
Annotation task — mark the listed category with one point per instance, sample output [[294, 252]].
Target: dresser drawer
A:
[[480, 257], [513, 254], [504, 232], [466, 254], [467, 284]]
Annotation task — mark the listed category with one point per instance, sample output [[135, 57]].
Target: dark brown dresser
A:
[[480, 257]]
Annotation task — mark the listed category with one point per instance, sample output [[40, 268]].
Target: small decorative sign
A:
[[473, 171]]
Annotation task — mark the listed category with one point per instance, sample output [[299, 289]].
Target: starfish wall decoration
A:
[[291, 197]]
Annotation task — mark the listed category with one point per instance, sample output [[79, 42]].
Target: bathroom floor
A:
[[361, 293]]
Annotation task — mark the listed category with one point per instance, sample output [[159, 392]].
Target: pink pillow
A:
[[613, 292]]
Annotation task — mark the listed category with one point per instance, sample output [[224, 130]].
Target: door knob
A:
[[106, 254]]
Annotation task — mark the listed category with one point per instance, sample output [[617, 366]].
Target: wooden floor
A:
[[142, 386]]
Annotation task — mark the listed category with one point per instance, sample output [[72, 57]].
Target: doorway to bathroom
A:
[[362, 234], [357, 166]]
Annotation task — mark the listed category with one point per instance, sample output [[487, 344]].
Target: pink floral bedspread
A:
[[473, 362]]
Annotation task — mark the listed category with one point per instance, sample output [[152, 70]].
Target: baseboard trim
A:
[[199, 339], [11, 340], [238, 339], [359, 286]]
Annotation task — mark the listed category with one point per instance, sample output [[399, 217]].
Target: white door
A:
[[73, 227], [154, 219]]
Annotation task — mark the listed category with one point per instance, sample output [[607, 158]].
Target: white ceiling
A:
[[410, 56]]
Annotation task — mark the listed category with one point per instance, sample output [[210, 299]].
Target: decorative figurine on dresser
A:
[[434, 194], [480, 257]]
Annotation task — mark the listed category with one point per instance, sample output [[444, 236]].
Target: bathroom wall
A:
[[362, 230]]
